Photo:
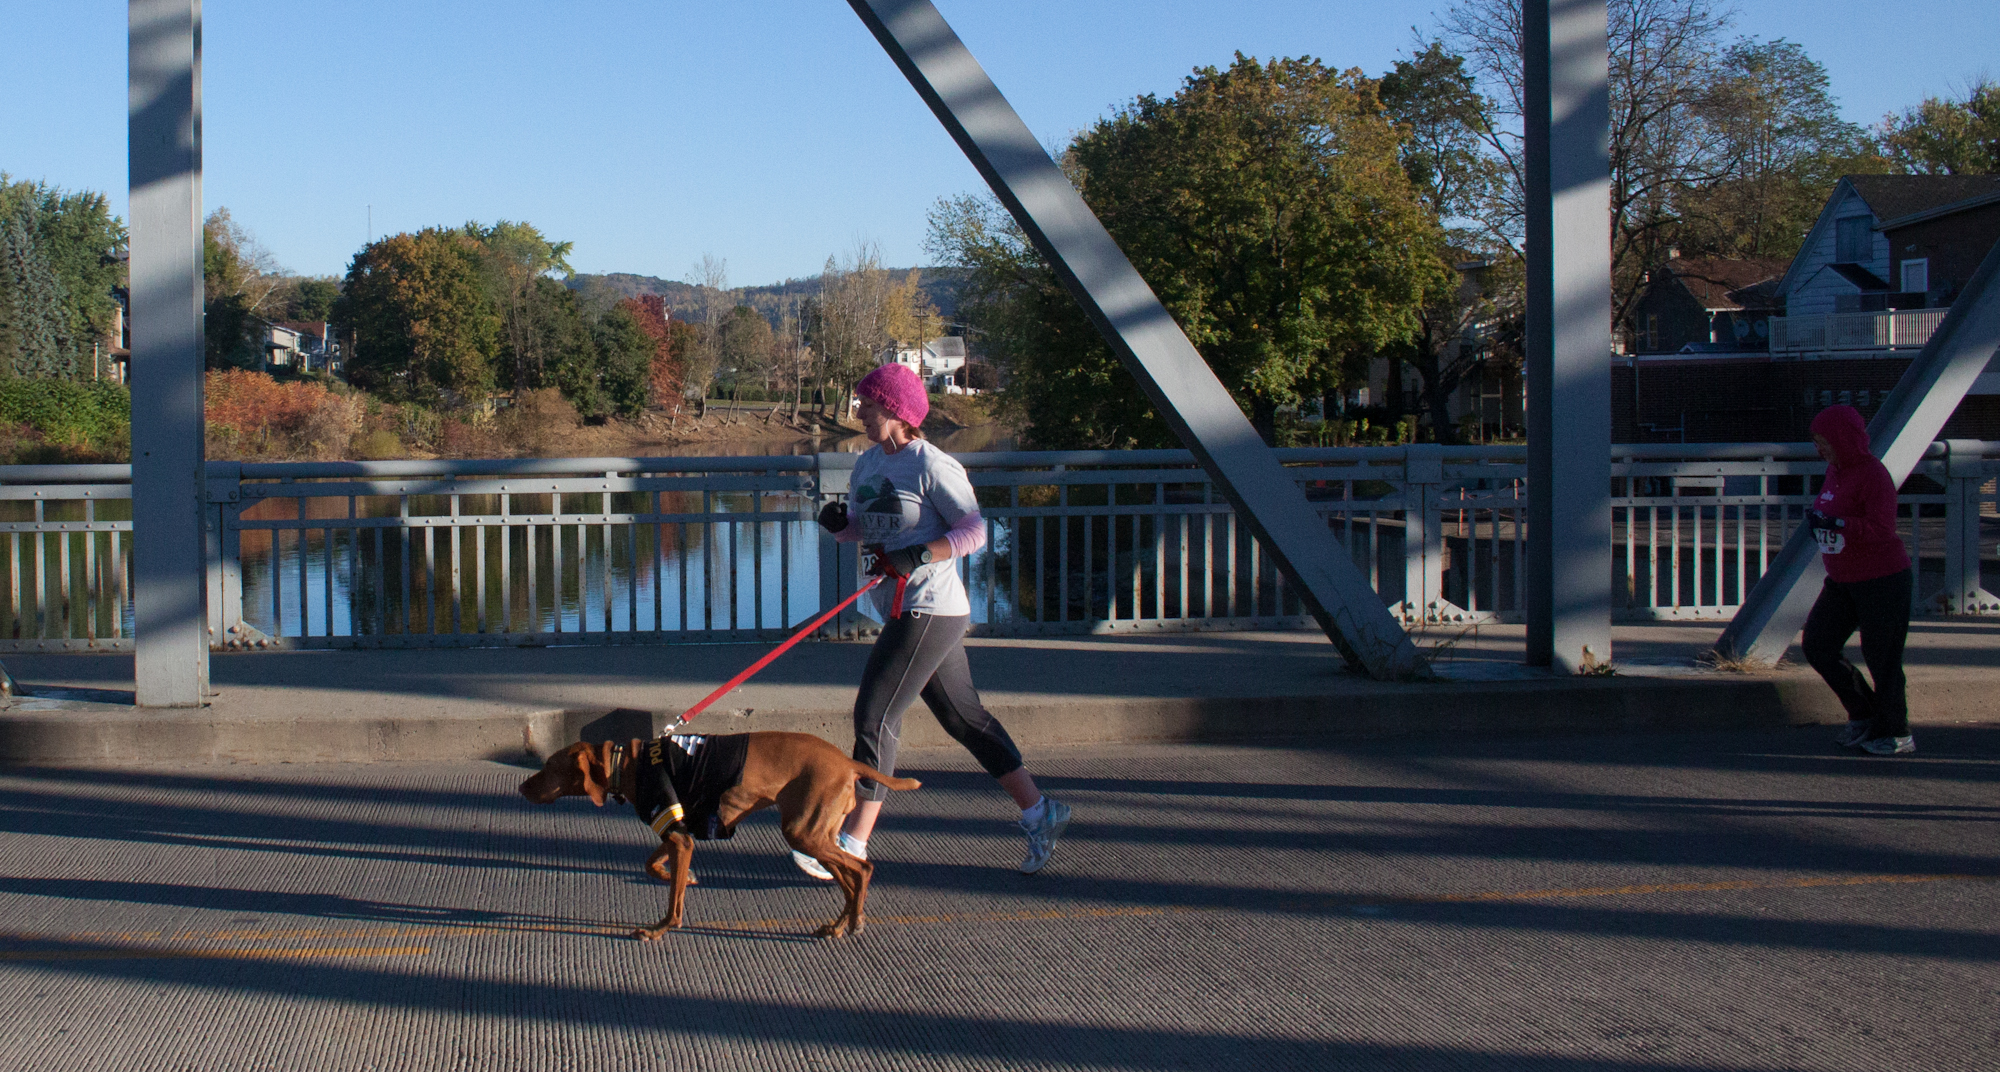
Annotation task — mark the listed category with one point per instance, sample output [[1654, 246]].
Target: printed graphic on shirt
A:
[[886, 511]]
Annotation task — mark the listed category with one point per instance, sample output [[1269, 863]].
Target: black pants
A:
[[1881, 608], [920, 655]]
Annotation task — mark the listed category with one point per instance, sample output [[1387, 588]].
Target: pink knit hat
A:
[[896, 389]]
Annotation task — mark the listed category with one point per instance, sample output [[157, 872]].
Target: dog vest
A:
[[682, 779]]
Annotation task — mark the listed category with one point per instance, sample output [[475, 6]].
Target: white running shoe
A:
[[811, 866], [1891, 746], [1042, 835]]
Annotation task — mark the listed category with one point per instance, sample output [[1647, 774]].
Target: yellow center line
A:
[[1703, 887], [156, 953]]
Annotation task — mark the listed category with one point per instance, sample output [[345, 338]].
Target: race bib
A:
[[1831, 541]]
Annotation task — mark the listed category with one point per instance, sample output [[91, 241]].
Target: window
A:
[[1853, 241], [1652, 331], [1917, 275]]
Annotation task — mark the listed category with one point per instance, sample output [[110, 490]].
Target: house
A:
[[934, 362], [308, 346], [1872, 281], [1706, 305], [1891, 243]]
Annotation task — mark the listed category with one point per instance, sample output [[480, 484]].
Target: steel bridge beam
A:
[[1910, 419], [170, 590], [1183, 389], [1568, 165]]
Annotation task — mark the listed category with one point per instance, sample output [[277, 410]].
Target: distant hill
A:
[[940, 283]]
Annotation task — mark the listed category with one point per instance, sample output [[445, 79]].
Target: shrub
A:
[[537, 422], [378, 444], [251, 415], [86, 418]]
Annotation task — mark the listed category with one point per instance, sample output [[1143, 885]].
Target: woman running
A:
[[1867, 586], [913, 511]]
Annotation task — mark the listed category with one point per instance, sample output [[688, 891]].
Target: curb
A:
[[98, 734]]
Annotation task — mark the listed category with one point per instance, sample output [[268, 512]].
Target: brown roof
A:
[[1894, 196], [1720, 284]]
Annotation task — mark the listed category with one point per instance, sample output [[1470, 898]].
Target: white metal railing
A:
[[595, 551], [1902, 330]]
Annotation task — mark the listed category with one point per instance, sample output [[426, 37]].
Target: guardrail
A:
[[1903, 330], [638, 551]]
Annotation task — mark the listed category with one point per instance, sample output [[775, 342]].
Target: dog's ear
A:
[[590, 764]]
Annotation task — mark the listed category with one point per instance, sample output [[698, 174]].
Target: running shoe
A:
[[1851, 735], [1891, 746], [1042, 835], [811, 866]]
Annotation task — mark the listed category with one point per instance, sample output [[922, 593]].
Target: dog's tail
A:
[[863, 770]]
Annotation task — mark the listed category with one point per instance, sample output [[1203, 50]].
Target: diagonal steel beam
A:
[[1182, 387], [1911, 418]]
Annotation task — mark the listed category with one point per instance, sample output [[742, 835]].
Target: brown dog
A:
[[810, 781]]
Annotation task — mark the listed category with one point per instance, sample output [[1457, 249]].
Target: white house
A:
[[935, 362]]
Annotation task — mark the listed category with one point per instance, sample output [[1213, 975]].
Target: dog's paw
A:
[[836, 929]]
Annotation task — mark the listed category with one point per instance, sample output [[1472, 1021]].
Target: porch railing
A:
[[1903, 330], [639, 551]]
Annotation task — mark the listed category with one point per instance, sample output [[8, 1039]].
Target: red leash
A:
[[688, 715]]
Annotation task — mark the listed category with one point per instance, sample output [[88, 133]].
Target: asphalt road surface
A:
[[1698, 901]]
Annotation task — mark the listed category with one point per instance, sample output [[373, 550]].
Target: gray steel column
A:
[[1568, 127], [1903, 429], [1180, 384], [169, 596]]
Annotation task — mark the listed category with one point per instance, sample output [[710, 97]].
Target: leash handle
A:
[[688, 715]]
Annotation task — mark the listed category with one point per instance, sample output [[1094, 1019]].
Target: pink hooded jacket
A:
[[1858, 491]]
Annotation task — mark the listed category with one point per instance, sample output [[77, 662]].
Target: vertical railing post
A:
[[170, 623], [1423, 532], [224, 551], [837, 564], [1965, 471]]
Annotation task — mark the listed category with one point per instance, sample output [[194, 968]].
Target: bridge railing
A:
[[639, 551]]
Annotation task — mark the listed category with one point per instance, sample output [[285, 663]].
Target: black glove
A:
[[833, 516], [1819, 522], [901, 562]]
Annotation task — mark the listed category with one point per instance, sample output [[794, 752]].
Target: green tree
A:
[[60, 252], [35, 336], [1447, 125], [421, 316], [517, 259], [313, 298], [242, 287], [1942, 136], [1268, 208], [746, 346], [1774, 108]]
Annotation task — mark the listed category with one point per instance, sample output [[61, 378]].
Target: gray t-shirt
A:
[[907, 498]]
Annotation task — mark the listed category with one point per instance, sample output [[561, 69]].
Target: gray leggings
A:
[[920, 655]]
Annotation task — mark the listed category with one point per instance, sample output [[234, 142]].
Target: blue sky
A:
[[772, 133]]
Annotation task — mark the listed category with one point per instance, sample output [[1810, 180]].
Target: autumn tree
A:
[[1268, 208], [663, 376], [1946, 136]]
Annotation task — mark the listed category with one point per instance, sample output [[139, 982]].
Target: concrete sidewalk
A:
[[1659, 902], [483, 704]]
